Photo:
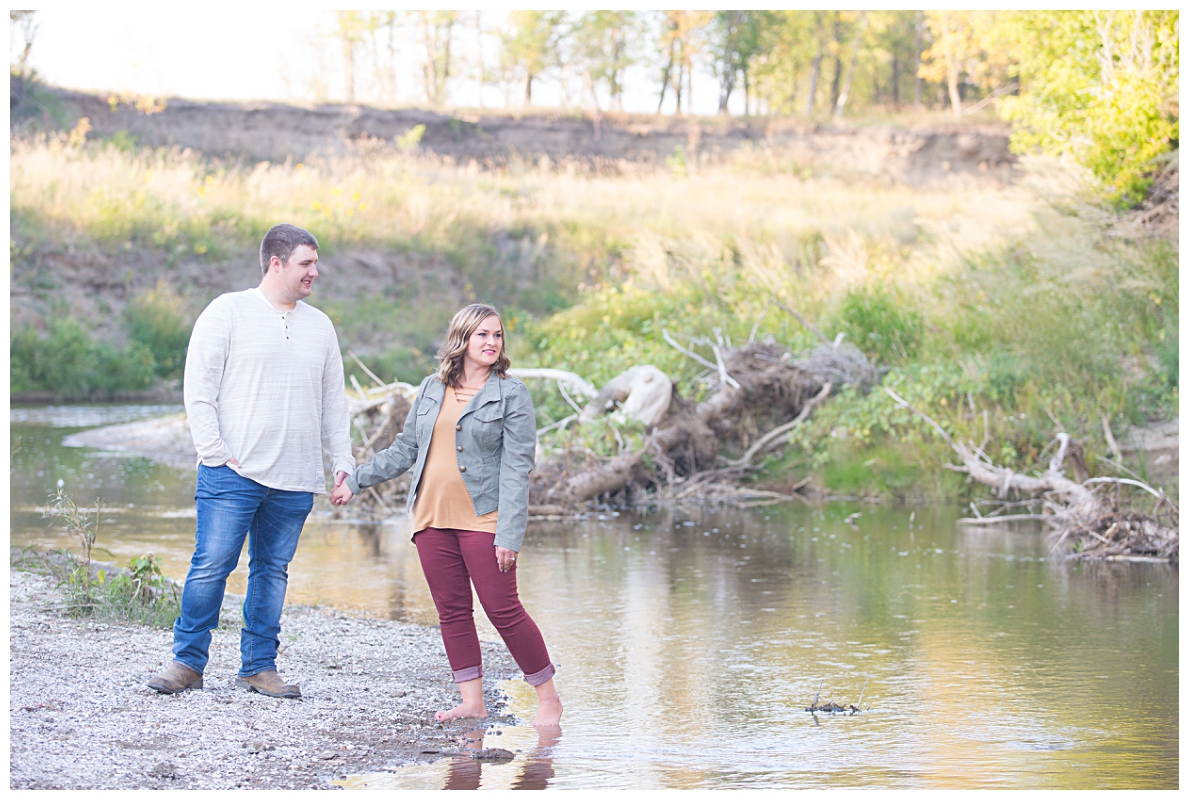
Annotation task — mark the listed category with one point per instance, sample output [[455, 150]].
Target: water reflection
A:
[[490, 758], [689, 644]]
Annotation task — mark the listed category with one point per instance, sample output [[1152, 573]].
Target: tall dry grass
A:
[[1020, 300]]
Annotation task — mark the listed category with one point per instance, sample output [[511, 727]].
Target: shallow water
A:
[[689, 644]]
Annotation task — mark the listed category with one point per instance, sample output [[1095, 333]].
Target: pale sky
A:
[[256, 52], [160, 49]]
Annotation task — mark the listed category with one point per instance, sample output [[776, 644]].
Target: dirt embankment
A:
[[276, 132]]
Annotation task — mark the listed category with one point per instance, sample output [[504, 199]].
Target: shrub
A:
[[157, 320], [1101, 86], [880, 327], [69, 362], [140, 594], [63, 360]]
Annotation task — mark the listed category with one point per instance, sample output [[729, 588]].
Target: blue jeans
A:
[[231, 507]]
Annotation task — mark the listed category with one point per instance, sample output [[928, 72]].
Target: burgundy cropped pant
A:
[[454, 559]]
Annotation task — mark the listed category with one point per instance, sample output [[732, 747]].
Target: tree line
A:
[[1101, 85]]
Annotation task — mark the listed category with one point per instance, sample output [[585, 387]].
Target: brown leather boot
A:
[[269, 683], [176, 678]]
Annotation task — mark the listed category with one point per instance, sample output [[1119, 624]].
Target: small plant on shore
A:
[[141, 594], [76, 576]]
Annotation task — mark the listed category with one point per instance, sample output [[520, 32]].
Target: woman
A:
[[470, 439]]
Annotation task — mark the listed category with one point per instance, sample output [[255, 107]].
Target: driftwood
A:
[[1089, 520], [687, 455], [641, 393]]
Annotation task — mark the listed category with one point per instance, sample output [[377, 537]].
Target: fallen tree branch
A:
[[900, 401], [689, 353], [1006, 518], [1111, 445], [575, 382], [1129, 482], [1078, 513], [813, 328], [363, 366]]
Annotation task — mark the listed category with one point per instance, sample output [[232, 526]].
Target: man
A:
[[264, 394]]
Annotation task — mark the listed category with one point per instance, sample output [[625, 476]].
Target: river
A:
[[689, 643]]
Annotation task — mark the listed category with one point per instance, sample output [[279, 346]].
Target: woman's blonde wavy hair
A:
[[455, 345]]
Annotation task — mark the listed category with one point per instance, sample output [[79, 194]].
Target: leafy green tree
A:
[[530, 45], [436, 31], [350, 29], [679, 41], [604, 45], [1101, 86], [738, 39], [778, 69], [824, 40]]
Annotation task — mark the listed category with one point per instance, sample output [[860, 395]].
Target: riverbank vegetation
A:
[[1007, 313], [139, 593], [999, 308]]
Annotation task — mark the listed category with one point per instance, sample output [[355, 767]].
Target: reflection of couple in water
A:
[[265, 396]]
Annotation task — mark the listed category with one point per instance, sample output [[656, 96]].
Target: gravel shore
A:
[[81, 717]]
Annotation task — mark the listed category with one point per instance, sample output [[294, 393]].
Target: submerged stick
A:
[[818, 695], [860, 703]]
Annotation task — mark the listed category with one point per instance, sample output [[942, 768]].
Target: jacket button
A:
[[457, 427], [460, 448], [462, 469]]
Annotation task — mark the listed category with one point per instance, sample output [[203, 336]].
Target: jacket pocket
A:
[[426, 416], [489, 426], [489, 486]]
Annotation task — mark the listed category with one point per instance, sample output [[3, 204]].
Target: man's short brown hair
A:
[[281, 240]]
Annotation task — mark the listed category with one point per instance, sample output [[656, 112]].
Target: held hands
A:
[[505, 558], [341, 494]]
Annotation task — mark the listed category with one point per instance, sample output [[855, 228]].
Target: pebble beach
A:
[[81, 716]]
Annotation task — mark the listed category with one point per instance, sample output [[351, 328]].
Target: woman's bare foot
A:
[[548, 713], [472, 705], [462, 711], [548, 706]]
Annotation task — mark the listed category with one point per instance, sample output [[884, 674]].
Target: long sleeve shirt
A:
[[265, 387]]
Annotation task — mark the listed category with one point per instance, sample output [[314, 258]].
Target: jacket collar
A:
[[435, 390], [491, 392]]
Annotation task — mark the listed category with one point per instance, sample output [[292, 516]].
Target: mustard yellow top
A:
[[442, 499]]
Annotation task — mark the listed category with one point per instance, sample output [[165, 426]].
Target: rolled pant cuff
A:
[[537, 678], [467, 674]]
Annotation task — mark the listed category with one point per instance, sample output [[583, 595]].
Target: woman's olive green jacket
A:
[[496, 444]]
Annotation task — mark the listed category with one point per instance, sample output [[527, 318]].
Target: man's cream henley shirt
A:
[[265, 387]]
